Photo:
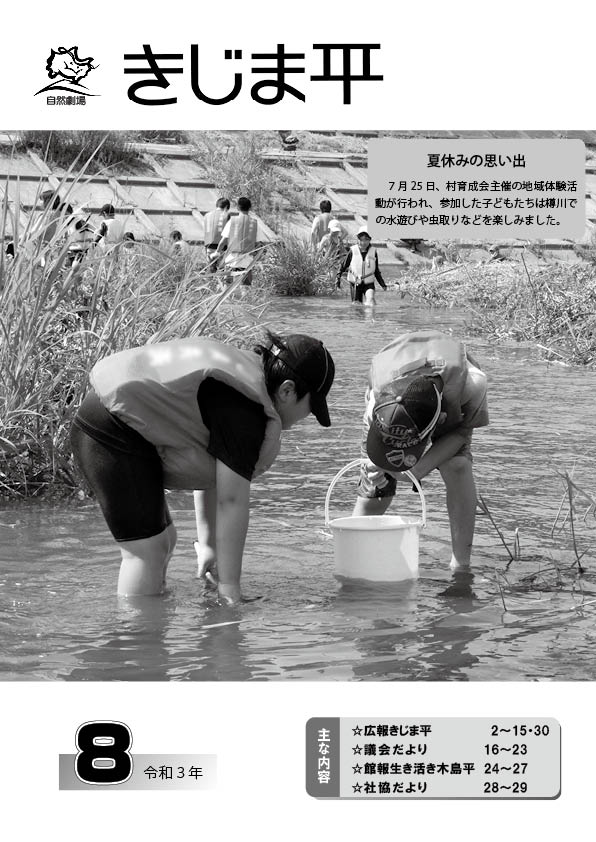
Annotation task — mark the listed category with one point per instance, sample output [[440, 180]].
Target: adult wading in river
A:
[[424, 399], [362, 265], [192, 414]]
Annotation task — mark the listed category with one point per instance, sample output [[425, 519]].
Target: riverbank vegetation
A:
[[235, 163], [58, 318], [97, 151], [551, 305], [291, 268]]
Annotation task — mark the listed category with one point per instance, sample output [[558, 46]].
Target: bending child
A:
[[192, 414], [426, 395]]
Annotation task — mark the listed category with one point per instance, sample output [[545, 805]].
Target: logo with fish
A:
[[67, 71]]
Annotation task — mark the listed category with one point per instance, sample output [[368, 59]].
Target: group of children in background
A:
[[231, 241], [59, 224]]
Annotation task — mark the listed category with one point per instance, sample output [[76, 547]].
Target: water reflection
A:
[[60, 618]]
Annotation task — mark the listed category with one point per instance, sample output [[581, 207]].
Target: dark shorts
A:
[[124, 471], [358, 291]]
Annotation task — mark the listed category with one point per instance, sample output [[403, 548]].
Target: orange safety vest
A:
[[154, 390]]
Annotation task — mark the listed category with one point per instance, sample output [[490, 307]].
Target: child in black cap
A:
[[192, 414], [426, 395]]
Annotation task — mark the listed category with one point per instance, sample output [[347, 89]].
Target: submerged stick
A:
[[485, 509], [571, 521], [500, 590]]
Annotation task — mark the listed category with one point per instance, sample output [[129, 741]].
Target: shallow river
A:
[[60, 618]]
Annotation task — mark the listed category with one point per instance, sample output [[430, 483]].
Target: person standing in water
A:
[[192, 414], [426, 395], [362, 265]]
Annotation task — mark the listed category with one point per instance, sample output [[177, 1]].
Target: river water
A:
[[60, 618]]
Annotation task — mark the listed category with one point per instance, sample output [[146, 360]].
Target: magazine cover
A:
[[296, 457]]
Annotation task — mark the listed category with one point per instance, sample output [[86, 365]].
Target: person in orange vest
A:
[[426, 395], [239, 241], [362, 265], [194, 414], [214, 223]]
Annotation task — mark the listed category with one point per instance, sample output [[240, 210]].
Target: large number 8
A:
[[103, 741]]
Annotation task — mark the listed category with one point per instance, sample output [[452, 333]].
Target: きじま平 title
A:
[[343, 64]]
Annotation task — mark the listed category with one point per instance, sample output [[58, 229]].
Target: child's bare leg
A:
[[144, 563], [172, 536], [458, 477]]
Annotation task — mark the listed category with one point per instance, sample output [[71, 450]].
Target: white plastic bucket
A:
[[377, 548]]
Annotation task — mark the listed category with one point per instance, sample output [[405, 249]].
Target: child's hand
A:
[[207, 564]]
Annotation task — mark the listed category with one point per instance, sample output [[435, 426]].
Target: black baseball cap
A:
[[404, 416], [312, 363]]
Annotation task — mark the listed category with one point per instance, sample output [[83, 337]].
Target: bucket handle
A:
[[353, 464]]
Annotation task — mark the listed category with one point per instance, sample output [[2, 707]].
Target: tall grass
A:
[[234, 165], [57, 320], [290, 267], [99, 148], [553, 306]]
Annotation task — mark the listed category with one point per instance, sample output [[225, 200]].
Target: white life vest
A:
[[180, 248], [425, 352], [81, 237], [214, 222], [154, 390], [114, 233], [362, 269]]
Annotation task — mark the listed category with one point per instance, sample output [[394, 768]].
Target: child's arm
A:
[[344, 268], [233, 497], [440, 452], [378, 277], [205, 512]]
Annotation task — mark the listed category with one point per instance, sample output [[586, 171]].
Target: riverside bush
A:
[[553, 306], [291, 268]]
